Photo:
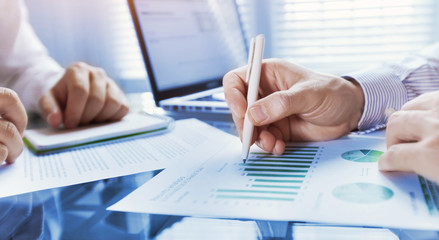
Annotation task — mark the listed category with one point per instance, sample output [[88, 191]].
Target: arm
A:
[[298, 104], [79, 95], [412, 135], [26, 68], [391, 86]]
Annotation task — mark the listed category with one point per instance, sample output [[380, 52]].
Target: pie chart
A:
[[362, 155], [364, 193]]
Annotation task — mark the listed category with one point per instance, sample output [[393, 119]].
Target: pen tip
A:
[[244, 160]]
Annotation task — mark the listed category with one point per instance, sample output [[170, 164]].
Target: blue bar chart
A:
[[272, 177]]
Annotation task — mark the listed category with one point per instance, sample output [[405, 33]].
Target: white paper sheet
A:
[[118, 158], [334, 182]]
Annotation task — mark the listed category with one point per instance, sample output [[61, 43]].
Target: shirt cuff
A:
[[383, 89], [35, 81]]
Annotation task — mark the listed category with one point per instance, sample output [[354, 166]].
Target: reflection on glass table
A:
[[79, 212]]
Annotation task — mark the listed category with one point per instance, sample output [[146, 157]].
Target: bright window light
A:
[[339, 36]]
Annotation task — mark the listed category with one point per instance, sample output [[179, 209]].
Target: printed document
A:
[[113, 159], [334, 182]]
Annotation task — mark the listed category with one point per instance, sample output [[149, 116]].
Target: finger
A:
[[124, 108], [237, 103], [422, 102], [406, 126], [281, 129], [3, 153], [96, 95], [50, 109], [270, 139], [11, 109], [235, 91], [11, 138], [279, 145], [411, 157], [282, 104], [239, 124], [111, 106], [77, 79], [266, 140], [398, 157], [269, 143]]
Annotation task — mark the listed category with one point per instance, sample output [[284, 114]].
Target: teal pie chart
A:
[[363, 193], [362, 155]]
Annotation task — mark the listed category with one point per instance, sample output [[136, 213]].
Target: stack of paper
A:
[[113, 159]]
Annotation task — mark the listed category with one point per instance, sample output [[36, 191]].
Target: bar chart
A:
[[272, 178], [431, 195]]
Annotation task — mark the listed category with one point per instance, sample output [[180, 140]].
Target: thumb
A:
[[50, 109], [279, 105]]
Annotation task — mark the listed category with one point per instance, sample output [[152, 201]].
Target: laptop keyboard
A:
[[431, 195], [209, 98]]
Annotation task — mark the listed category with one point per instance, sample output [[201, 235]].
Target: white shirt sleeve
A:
[[26, 68], [392, 85]]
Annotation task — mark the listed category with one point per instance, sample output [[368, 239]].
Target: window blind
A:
[[339, 36], [335, 36], [125, 48]]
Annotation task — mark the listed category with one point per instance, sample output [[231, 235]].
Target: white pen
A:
[[256, 52]]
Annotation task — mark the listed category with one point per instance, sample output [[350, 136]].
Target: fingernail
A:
[[54, 119], [258, 113], [279, 147]]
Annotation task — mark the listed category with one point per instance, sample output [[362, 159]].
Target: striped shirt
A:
[[392, 85]]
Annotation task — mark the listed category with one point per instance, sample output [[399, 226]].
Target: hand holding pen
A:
[[295, 104]]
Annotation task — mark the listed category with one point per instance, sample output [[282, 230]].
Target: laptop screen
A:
[[188, 45]]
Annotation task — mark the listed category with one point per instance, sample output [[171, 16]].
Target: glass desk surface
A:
[[79, 212]]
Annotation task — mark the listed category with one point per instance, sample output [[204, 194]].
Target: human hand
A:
[[84, 94], [13, 121], [412, 138], [296, 104]]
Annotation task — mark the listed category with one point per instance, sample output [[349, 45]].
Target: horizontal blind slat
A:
[[125, 46], [341, 34]]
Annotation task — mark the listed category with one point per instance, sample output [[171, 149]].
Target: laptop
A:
[[187, 47]]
